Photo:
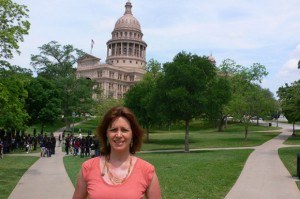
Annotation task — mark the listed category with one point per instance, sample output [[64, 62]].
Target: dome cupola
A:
[[127, 21], [126, 48]]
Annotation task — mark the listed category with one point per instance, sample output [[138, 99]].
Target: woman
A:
[[117, 173]]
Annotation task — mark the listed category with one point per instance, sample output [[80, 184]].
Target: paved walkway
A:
[[263, 177], [46, 178]]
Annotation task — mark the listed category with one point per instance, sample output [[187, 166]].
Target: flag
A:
[[92, 44]]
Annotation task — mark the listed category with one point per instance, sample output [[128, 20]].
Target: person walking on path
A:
[[264, 176], [46, 178]]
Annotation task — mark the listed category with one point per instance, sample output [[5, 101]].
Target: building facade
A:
[[126, 58]]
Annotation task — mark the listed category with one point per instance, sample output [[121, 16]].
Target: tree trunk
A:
[[246, 132], [187, 137], [294, 132], [67, 122], [257, 121], [222, 124]]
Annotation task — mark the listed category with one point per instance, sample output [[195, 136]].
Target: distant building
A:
[[126, 58]]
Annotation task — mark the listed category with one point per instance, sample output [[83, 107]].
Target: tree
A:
[[43, 103], [218, 98], [104, 105], [184, 88], [246, 101], [13, 25], [140, 97], [265, 105], [13, 94], [289, 97], [55, 62]]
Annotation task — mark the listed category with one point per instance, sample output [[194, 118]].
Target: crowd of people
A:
[[11, 141], [80, 146]]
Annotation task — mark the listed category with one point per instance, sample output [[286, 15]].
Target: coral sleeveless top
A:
[[134, 187]]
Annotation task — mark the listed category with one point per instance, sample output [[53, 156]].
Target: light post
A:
[[73, 117]]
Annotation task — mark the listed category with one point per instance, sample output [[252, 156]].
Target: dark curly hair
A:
[[109, 118]]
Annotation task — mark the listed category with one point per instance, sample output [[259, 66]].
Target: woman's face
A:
[[119, 135]]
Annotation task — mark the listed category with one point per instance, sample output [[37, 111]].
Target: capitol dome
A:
[[127, 21]]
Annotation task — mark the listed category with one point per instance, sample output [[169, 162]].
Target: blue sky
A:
[[246, 31]]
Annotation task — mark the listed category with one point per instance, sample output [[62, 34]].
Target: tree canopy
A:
[[13, 93], [184, 88], [55, 63], [14, 25], [289, 97]]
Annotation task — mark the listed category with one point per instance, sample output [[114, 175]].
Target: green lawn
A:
[[207, 138], [205, 174], [11, 170], [294, 140], [288, 156]]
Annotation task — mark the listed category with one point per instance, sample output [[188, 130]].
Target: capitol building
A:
[[125, 62], [126, 58]]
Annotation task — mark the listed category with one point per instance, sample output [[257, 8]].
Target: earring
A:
[[131, 143]]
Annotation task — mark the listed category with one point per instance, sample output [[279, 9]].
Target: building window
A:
[[124, 61], [119, 87], [119, 76], [111, 86], [131, 78], [111, 74], [99, 73]]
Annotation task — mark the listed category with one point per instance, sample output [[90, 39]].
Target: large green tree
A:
[[289, 97], [184, 88], [218, 97], [13, 93], [56, 63], [43, 103], [14, 25], [140, 97], [248, 98]]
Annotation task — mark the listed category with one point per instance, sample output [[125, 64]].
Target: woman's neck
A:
[[118, 157]]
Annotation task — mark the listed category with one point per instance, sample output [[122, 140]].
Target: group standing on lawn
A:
[[74, 145], [80, 145], [20, 141]]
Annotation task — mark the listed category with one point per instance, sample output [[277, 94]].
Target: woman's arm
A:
[[153, 192], [80, 190]]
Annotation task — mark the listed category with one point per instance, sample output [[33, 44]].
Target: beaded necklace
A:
[[113, 179]]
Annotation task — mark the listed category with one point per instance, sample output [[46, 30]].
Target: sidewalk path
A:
[[264, 176], [46, 178]]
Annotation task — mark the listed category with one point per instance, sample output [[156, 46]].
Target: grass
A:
[[88, 125], [201, 135], [205, 174], [288, 156], [48, 128], [11, 170], [293, 140], [233, 136]]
